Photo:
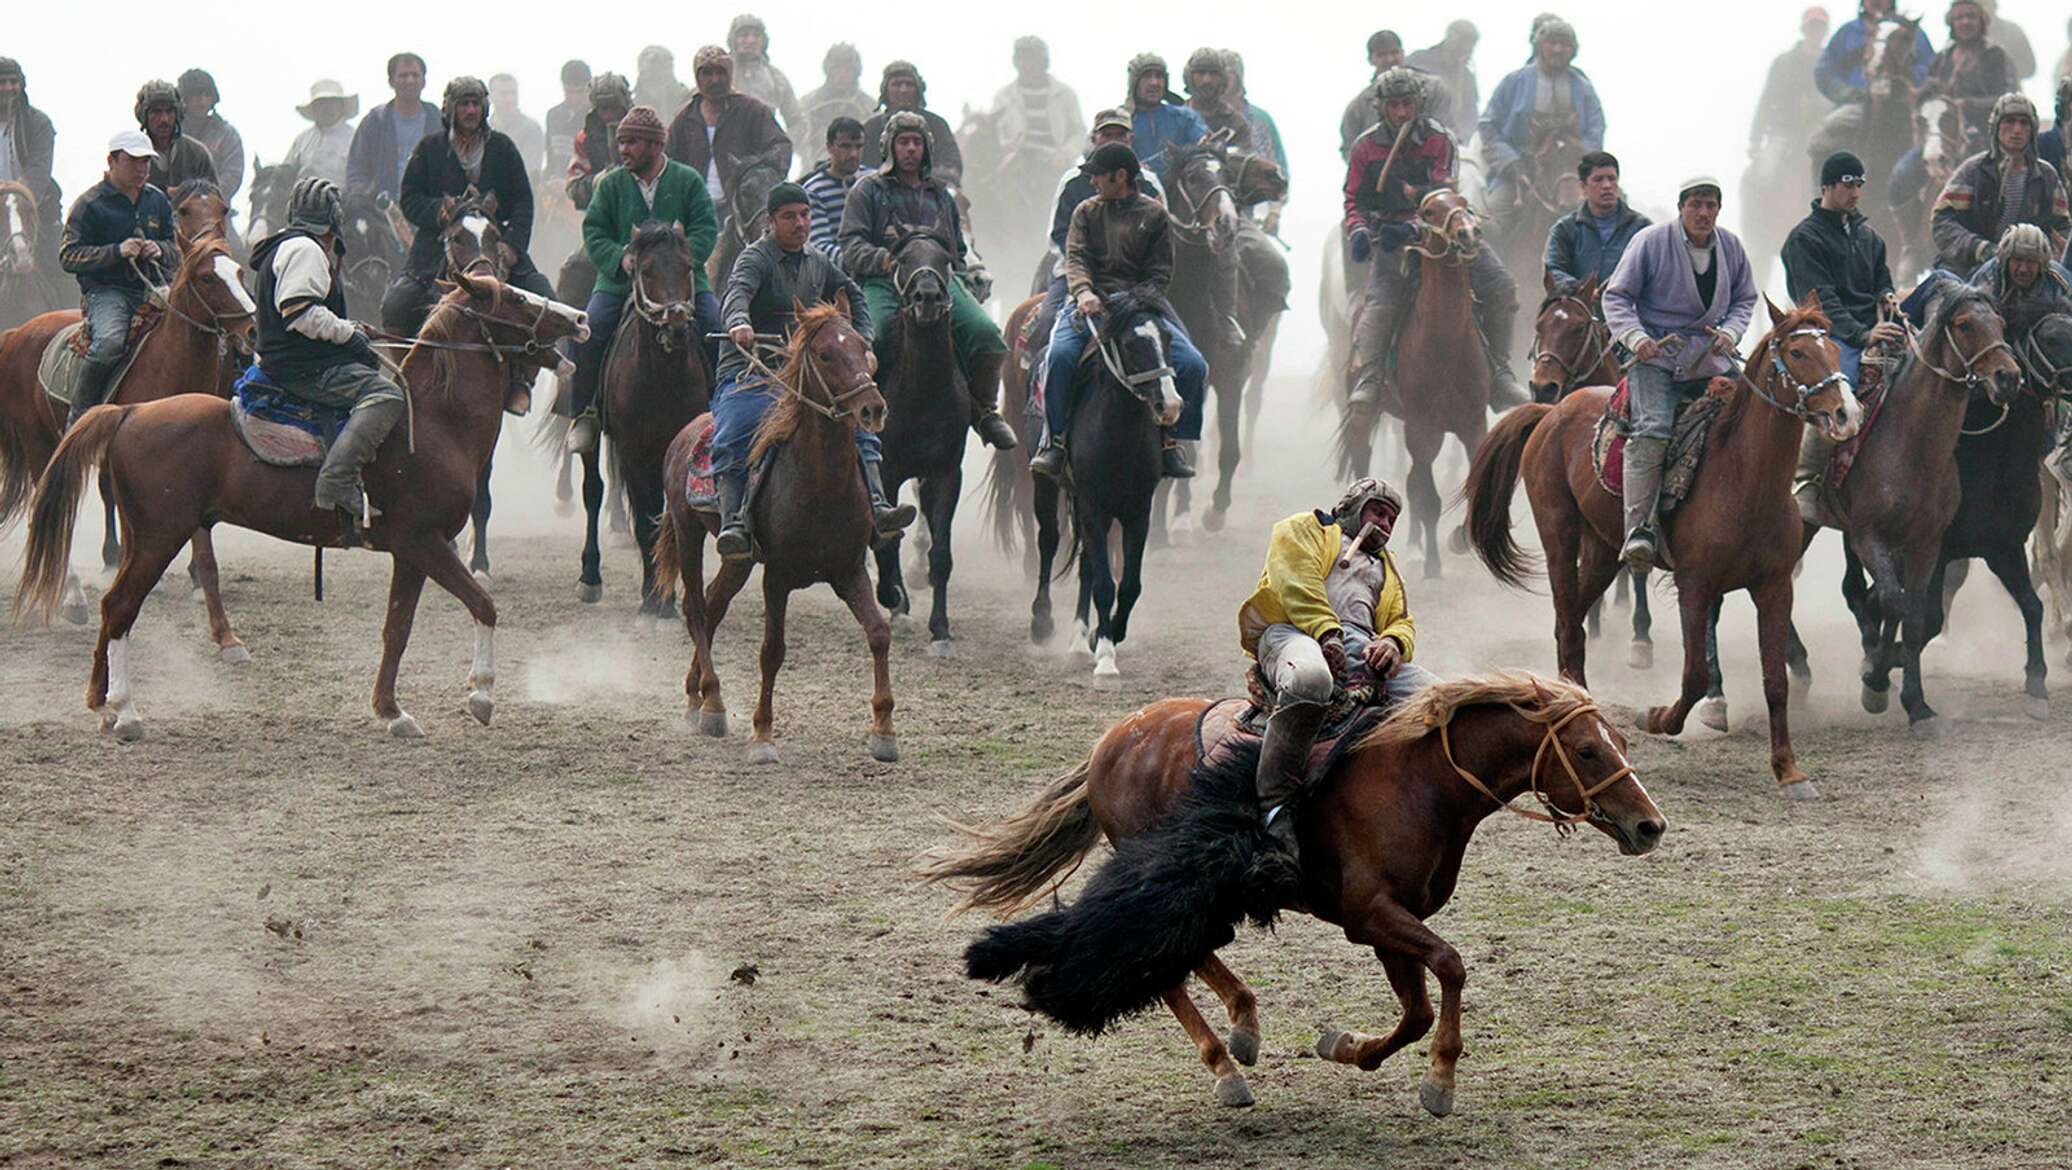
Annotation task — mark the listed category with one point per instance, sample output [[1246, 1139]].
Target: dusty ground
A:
[[268, 936]]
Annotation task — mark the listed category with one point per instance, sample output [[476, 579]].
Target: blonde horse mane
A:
[[1541, 700], [781, 421]]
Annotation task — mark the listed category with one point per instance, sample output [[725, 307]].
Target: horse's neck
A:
[[1766, 440], [469, 401], [925, 346], [1926, 414]]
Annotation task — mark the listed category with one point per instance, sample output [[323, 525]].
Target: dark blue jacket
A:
[[1575, 251], [1840, 71], [100, 221], [2050, 147]]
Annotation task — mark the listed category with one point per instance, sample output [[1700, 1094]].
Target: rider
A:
[[1074, 188], [1384, 52], [2025, 280], [1791, 106], [1549, 97], [655, 84], [123, 224], [1208, 95], [904, 193], [465, 154], [1451, 62], [320, 151], [1403, 158], [198, 99], [838, 97], [311, 350], [1588, 241], [827, 188], [390, 132], [1119, 241], [1037, 116], [776, 278], [1680, 300], [596, 149], [1971, 72], [2050, 145], [1329, 609], [177, 157], [721, 133], [1157, 120], [27, 150], [748, 43], [903, 90], [565, 120], [1840, 73], [517, 125], [1997, 188]]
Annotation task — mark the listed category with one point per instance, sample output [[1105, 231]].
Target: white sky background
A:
[[1679, 81]]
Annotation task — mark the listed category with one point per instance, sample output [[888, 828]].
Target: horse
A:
[[1441, 388], [1015, 185], [200, 212], [1572, 347], [1114, 464], [207, 333], [1739, 529], [810, 517], [1545, 188], [652, 385], [1382, 840], [1010, 488], [30, 282], [747, 211], [178, 465], [926, 420]]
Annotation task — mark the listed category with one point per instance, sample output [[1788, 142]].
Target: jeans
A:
[[1068, 341], [738, 407], [607, 310], [1655, 399], [108, 312], [1293, 663]]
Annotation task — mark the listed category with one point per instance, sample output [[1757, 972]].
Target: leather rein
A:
[[1550, 743]]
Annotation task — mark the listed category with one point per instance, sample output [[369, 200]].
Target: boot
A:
[[1284, 769], [1643, 487], [90, 389], [338, 480], [1810, 480], [733, 541], [1173, 461], [582, 433], [886, 518], [1049, 461], [985, 393], [1496, 324]]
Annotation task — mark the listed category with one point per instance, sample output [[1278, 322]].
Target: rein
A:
[[1599, 344], [1445, 231], [1803, 390], [657, 313], [1192, 229], [1970, 377], [225, 339], [1563, 822], [833, 410]]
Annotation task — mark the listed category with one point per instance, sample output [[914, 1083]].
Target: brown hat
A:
[[710, 56], [1107, 118], [642, 123]]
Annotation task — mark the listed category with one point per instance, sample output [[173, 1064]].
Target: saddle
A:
[[279, 429], [65, 354], [701, 483], [1872, 399], [1231, 725], [1686, 443]]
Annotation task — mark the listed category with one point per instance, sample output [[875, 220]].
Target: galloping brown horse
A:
[[811, 518], [1738, 530], [178, 465], [199, 346], [1382, 842]]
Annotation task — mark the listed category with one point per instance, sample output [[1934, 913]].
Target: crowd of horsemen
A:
[[872, 170]]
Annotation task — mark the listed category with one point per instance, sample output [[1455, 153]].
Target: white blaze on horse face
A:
[[476, 226], [567, 313], [228, 272], [1850, 416], [1168, 393]]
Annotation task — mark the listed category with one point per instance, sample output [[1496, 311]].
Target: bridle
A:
[[904, 285], [1447, 231], [1190, 226], [1112, 359], [227, 338], [668, 317], [1598, 343], [1803, 392], [1970, 378], [1563, 822], [485, 256], [531, 347], [836, 408]]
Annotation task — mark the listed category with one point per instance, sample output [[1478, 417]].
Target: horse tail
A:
[[17, 477], [550, 435], [667, 559], [999, 507], [1169, 899], [1492, 481], [1013, 863], [1354, 435], [46, 562]]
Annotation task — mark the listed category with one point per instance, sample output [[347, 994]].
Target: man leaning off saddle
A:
[[117, 232]]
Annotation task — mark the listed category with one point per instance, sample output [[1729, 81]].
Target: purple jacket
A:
[[1654, 293]]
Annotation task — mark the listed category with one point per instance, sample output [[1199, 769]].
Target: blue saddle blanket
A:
[[264, 399]]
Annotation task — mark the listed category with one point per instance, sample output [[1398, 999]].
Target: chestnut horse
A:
[[30, 282], [1738, 530], [199, 346], [178, 465], [811, 519], [200, 212], [1382, 838]]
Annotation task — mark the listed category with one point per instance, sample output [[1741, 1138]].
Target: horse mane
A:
[[1178, 158], [193, 187], [1542, 700], [781, 420], [1123, 309], [1730, 416], [1952, 296], [651, 235]]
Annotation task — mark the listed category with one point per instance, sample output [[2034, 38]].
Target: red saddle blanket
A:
[[142, 322], [700, 489], [1686, 442], [1228, 725], [1871, 396]]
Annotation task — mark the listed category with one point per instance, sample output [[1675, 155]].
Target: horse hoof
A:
[[883, 748], [1104, 660], [589, 594], [713, 723], [1041, 630], [404, 726], [1435, 1097], [483, 579], [481, 706], [762, 752], [1233, 1092], [1328, 1046], [564, 507], [1457, 541], [1712, 712], [129, 728], [942, 648], [1214, 519], [1799, 790], [2037, 709], [1244, 1046], [75, 614], [1432, 571], [1875, 701], [1927, 727], [235, 654], [1641, 656]]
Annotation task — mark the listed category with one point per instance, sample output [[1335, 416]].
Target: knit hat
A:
[[1108, 159], [1841, 167], [642, 124], [1695, 184], [711, 57], [784, 195]]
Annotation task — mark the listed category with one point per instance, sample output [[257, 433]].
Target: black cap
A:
[[1108, 159], [1841, 167], [784, 195]]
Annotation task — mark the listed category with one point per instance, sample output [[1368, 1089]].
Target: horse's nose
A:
[[1647, 834], [2006, 384], [872, 416], [1543, 390]]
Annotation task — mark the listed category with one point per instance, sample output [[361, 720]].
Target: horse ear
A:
[[472, 283], [1539, 694], [1776, 316], [1811, 300], [842, 302], [489, 205], [1591, 289], [1547, 281]]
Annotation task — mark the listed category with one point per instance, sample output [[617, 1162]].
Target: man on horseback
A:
[[2025, 281], [27, 145], [903, 192], [1075, 188], [774, 280], [1457, 99], [204, 124], [748, 47], [838, 97], [176, 158], [389, 134], [649, 185], [1403, 158], [1971, 72], [1384, 52], [596, 148], [655, 84], [1208, 95], [1036, 116], [565, 120], [827, 188], [311, 350], [1589, 241], [1842, 73], [1999, 187], [1157, 121], [1679, 301], [1547, 100], [1119, 241], [117, 232], [721, 133], [1329, 611], [903, 91]]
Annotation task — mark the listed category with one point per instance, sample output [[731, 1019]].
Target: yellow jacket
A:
[[1291, 587]]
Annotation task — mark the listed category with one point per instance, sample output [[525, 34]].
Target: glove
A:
[[1395, 236], [362, 351], [1333, 645], [1362, 244]]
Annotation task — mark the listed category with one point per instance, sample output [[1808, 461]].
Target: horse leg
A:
[[228, 646], [445, 568], [1230, 407], [2008, 564], [1773, 632], [1041, 627], [713, 601], [1134, 534], [1424, 498], [478, 563], [406, 583], [1597, 566], [646, 492], [1390, 929], [1640, 655], [1712, 710], [1230, 1083], [1914, 609], [1696, 605], [762, 746], [1242, 1006], [612, 476], [108, 690], [1407, 977], [939, 500], [1099, 574], [1562, 536], [590, 584], [855, 591], [564, 485], [1870, 624], [111, 543]]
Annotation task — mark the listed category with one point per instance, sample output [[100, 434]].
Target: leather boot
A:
[[1173, 461], [1810, 480], [1643, 488], [90, 389], [887, 519], [985, 395], [338, 481], [733, 542], [1284, 768], [1049, 461]]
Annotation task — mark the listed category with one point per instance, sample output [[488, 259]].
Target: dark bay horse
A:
[[811, 520], [30, 282], [1382, 843], [1114, 462], [199, 346], [178, 466], [1739, 529], [652, 385], [926, 420], [742, 219]]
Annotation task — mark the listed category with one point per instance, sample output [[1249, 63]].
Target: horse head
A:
[[665, 287], [470, 237], [271, 187], [1135, 345], [1254, 178], [748, 204], [1966, 345], [1803, 373], [921, 275], [208, 292], [831, 366], [510, 318], [1447, 227], [2047, 355], [1198, 191], [199, 213], [18, 211], [1569, 339]]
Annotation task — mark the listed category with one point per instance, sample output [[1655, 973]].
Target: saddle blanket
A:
[[1871, 396], [1686, 443], [65, 355], [278, 428], [701, 487], [1236, 724]]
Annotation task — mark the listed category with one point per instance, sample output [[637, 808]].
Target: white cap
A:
[[134, 143], [1696, 181]]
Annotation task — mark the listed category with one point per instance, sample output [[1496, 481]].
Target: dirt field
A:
[[269, 936]]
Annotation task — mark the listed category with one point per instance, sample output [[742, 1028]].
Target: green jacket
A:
[[616, 208]]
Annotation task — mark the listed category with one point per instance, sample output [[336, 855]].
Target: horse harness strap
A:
[[1562, 821], [163, 295], [833, 410], [1113, 361], [1970, 376], [1593, 353]]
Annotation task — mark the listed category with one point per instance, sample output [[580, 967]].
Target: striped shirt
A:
[[826, 194]]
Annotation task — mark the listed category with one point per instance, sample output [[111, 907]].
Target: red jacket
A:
[[1428, 162]]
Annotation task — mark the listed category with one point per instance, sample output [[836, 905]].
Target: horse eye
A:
[[1587, 752]]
